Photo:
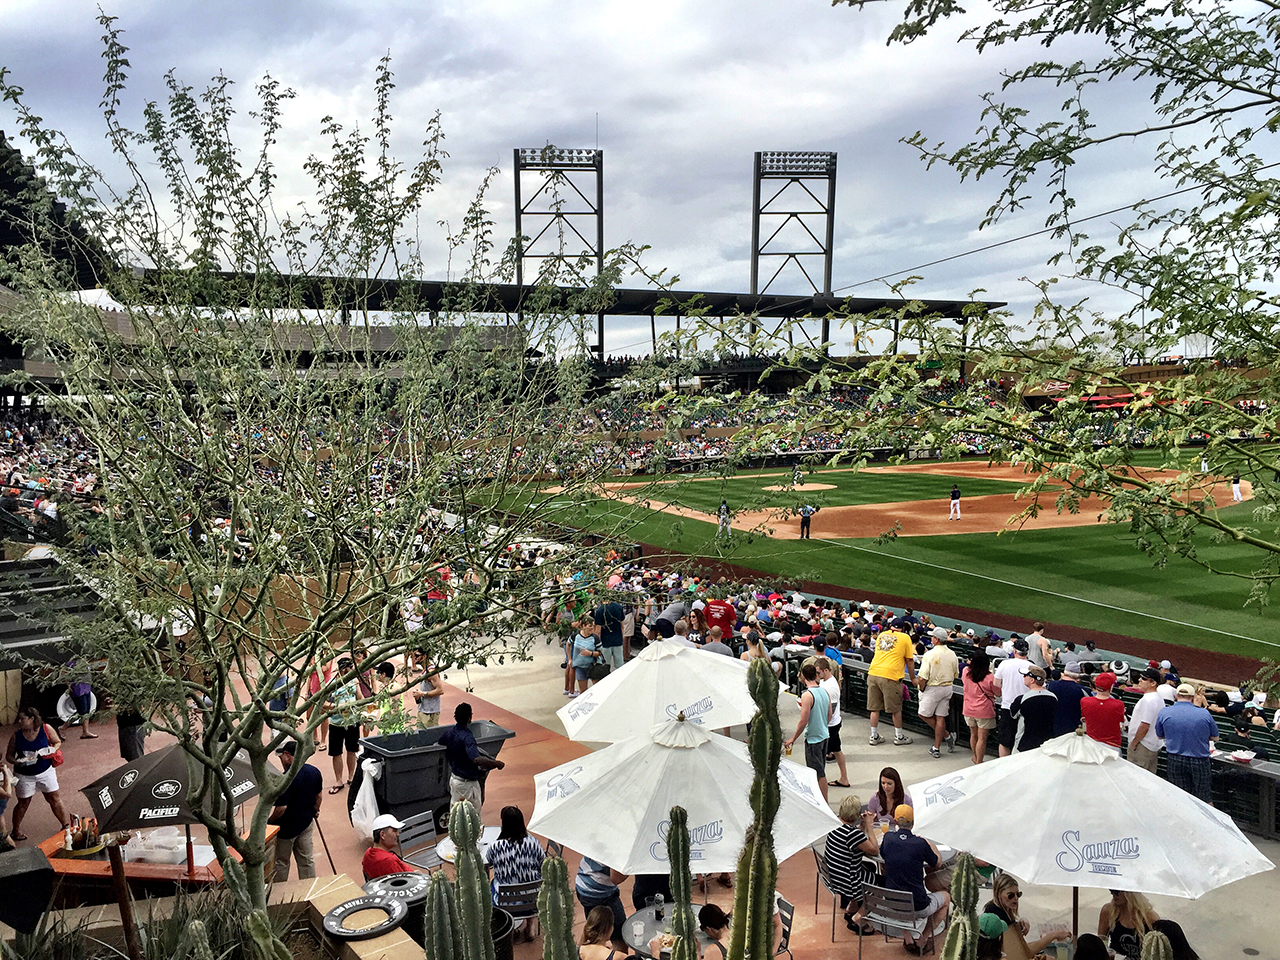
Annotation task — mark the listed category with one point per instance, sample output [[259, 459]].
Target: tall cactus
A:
[[962, 937], [471, 887], [443, 932], [555, 910], [757, 877], [1156, 946], [682, 925]]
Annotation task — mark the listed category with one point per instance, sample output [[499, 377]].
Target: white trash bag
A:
[[365, 809]]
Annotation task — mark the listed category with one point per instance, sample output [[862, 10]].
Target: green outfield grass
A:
[[746, 491], [1090, 577]]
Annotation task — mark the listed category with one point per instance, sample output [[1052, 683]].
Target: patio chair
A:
[[521, 901], [824, 879], [893, 913], [788, 912], [418, 842]]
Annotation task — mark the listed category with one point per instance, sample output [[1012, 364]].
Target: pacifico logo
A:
[[1100, 856], [157, 813], [241, 787]]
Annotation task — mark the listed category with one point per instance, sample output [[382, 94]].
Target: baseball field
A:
[[885, 530]]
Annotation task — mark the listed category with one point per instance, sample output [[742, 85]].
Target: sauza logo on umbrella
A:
[[1100, 856], [693, 712], [699, 837], [563, 785]]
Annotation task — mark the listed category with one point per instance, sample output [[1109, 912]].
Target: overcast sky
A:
[[685, 92]]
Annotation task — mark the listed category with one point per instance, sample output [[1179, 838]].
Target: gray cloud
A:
[[685, 92]]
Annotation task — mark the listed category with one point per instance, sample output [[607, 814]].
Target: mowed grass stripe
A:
[[1098, 564]]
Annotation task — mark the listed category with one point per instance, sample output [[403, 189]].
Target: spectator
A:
[[597, 887], [1124, 921], [1144, 745], [1005, 898], [1103, 714], [1069, 693], [815, 717], [828, 676], [1177, 939], [381, 860], [30, 753], [82, 696], [428, 695], [890, 795], [609, 617], [516, 857], [1037, 708], [295, 813], [894, 654], [846, 847], [1188, 732], [344, 723], [1009, 678], [586, 651], [936, 679], [465, 759], [1069, 659], [906, 857], [7, 787], [715, 645], [981, 692]]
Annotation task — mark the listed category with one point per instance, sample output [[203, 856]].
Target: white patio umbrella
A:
[[613, 805], [1085, 818], [665, 679]]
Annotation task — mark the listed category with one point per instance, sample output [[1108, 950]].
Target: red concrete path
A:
[[532, 750]]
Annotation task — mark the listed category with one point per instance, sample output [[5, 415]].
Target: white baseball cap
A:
[[385, 820]]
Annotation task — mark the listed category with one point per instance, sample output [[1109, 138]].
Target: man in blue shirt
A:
[[906, 857], [1188, 732], [465, 759], [295, 812], [608, 617], [1069, 694]]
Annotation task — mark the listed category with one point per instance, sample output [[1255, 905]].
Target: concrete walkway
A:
[[524, 696]]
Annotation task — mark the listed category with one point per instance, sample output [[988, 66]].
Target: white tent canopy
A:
[[614, 805], [1074, 814], [664, 680]]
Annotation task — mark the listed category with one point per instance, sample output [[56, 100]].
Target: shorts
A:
[[84, 703], [982, 723], [935, 904], [340, 736], [815, 758], [28, 784], [935, 701], [833, 739], [581, 673], [428, 720], [613, 656], [1008, 727], [666, 628], [884, 694]]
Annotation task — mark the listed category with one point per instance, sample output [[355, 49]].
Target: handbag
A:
[[56, 759], [598, 671]]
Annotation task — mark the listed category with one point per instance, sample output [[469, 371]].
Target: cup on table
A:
[[637, 930]]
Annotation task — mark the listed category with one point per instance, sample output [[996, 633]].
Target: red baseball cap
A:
[[1104, 681]]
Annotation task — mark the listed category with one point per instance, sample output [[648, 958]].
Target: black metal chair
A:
[[824, 879], [788, 913], [893, 913]]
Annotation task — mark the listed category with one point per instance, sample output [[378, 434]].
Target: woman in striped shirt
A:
[[847, 871], [515, 856]]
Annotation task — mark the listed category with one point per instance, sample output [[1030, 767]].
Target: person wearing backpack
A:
[[35, 749]]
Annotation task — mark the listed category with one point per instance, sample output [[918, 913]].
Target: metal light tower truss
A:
[[813, 174], [559, 211]]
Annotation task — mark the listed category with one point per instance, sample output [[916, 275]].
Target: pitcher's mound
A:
[[778, 487]]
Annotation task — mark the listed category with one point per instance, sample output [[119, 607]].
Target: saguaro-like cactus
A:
[[757, 878], [471, 886], [962, 937], [555, 910], [1156, 946], [682, 925], [443, 933]]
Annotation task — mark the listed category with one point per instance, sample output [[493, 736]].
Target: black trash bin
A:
[[415, 775]]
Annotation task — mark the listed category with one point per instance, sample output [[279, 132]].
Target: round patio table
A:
[[652, 927]]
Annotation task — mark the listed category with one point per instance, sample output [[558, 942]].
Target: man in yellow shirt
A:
[[894, 654]]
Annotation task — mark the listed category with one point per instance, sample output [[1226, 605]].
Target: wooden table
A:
[[81, 881]]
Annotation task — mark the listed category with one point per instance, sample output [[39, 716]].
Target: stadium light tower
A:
[[813, 175], [560, 208]]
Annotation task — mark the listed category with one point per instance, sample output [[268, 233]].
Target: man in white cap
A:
[[936, 678], [381, 859]]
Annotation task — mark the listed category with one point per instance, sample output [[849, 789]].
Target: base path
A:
[[924, 518]]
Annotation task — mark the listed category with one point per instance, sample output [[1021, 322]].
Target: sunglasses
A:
[[1016, 894]]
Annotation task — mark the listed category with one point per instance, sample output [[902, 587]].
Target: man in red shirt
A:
[[381, 859], [722, 614], [1102, 713]]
